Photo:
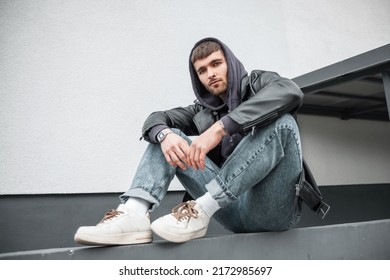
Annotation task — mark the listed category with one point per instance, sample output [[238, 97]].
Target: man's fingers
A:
[[174, 161], [175, 149], [169, 160], [196, 157], [191, 158], [181, 152], [180, 163], [180, 159], [202, 157]]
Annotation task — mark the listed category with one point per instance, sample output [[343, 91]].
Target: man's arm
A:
[[178, 153], [180, 117], [271, 96], [175, 149], [204, 143]]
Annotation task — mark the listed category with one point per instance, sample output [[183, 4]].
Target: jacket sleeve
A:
[[270, 96], [180, 117]]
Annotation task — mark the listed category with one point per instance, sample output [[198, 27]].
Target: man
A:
[[241, 169]]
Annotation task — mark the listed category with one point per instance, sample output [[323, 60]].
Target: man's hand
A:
[[204, 143], [175, 149]]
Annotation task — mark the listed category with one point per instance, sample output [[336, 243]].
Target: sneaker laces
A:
[[185, 210], [110, 215]]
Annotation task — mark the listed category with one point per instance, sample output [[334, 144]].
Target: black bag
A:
[[309, 192]]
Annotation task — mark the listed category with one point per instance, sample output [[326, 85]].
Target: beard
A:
[[217, 90]]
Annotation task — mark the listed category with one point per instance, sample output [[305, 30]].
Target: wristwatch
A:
[[162, 134]]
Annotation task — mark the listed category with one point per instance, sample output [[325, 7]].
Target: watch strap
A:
[[163, 134]]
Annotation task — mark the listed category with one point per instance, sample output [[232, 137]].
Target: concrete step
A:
[[361, 240], [43, 226]]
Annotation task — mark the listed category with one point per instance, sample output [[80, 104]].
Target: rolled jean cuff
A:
[[139, 192], [220, 192]]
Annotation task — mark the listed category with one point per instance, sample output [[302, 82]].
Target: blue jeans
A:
[[255, 187]]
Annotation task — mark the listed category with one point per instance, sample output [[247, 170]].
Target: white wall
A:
[[346, 151], [323, 32], [77, 78]]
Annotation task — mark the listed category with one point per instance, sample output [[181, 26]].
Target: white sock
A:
[[208, 204], [138, 205]]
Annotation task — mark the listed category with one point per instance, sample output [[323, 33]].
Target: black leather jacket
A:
[[264, 97]]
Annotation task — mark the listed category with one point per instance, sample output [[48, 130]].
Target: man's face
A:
[[212, 72]]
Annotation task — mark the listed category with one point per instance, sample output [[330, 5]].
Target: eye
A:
[[201, 71], [217, 63]]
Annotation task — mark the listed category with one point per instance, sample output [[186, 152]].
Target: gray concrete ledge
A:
[[362, 240], [36, 222]]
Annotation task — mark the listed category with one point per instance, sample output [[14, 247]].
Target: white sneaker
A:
[[187, 221], [118, 227]]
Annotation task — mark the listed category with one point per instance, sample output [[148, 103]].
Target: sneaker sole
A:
[[119, 239], [178, 238]]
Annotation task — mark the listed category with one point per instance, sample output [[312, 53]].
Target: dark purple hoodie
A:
[[236, 72]]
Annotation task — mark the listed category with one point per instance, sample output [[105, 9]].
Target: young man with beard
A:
[[241, 169]]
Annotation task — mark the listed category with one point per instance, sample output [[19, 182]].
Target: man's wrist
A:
[[163, 134], [231, 127], [223, 127]]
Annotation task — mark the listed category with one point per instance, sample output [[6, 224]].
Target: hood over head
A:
[[236, 72]]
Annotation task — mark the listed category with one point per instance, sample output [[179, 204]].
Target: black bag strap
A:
[[308, 190]]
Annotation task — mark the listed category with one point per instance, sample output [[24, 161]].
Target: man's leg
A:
[[129, 225], [154, 175], [255, 187]]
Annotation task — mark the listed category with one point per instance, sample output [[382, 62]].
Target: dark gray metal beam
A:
[[366, 67], [386, 85], [351, 96], [373, 80], [319, 110], [349, 114], [357, 67]]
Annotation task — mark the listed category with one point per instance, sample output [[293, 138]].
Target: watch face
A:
[[160, 136]]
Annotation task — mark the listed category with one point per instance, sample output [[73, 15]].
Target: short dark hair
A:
[[204, 49]]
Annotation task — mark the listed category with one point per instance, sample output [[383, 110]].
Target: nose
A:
[[210, 73]]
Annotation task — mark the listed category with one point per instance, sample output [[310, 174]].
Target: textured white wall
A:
[[77, 78], [346, 152], [323, 32]]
